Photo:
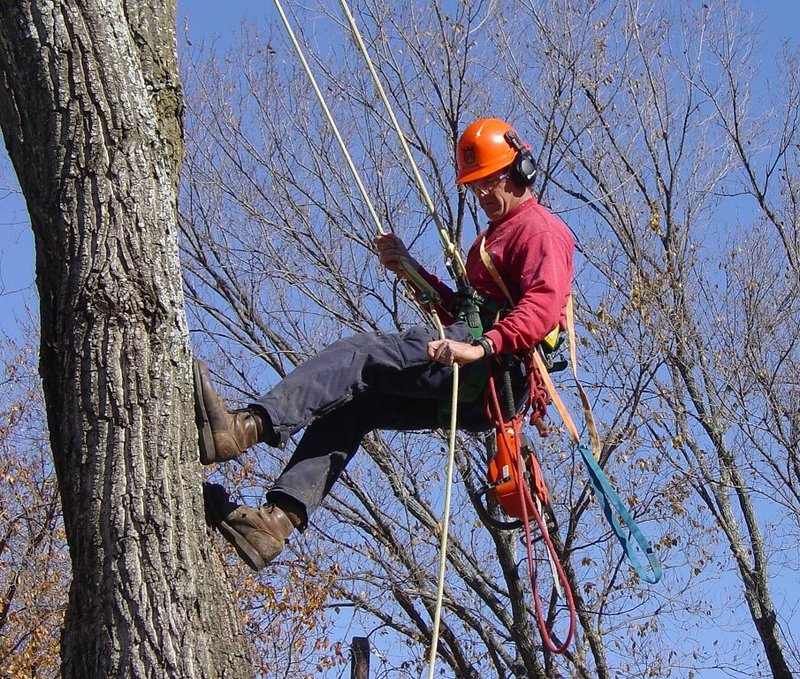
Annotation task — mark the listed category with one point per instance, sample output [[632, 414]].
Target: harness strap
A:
[[606, 496], [492, 269], [609, 502], [594, 437]]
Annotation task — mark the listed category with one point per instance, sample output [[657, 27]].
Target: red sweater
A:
[[532, 250]]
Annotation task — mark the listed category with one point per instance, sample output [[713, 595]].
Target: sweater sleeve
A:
[[543, 266]]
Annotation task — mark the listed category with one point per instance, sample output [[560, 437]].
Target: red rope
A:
[[526, 501], [529, 508]]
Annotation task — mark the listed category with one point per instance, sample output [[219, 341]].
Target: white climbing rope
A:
[[448, 486], [408, 270], [450, 251]]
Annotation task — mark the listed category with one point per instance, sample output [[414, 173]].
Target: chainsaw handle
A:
[[488, 519], [509, 406]]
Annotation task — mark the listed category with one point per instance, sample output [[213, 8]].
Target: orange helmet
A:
[[483, 150]]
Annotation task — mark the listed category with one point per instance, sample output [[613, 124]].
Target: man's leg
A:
[[369, 381], [326, 447], [390, 363], [395, 364], [330, 442]]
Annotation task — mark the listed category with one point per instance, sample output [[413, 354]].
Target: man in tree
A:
[[398, 381]]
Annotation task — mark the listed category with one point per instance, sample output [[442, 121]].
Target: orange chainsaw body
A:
[[504, 470]]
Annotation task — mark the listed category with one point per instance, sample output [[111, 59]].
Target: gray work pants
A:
[[358, 384]]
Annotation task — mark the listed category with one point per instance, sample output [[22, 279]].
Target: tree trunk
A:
[[91, 114]]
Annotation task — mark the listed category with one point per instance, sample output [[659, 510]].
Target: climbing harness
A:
[[514, 470]]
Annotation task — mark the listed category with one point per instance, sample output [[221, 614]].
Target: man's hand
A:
[[393, 252], [449, 351]]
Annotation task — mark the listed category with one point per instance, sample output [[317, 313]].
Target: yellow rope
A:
[[411, 274], [450, 249], [451, 252], [408, 270], [448, 485]]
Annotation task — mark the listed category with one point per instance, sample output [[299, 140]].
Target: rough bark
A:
[[91, 113]]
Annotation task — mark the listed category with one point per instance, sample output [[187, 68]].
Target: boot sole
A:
[[205, 438], [244, 549]]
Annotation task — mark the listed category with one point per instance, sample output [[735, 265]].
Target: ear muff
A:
[[523, 169]]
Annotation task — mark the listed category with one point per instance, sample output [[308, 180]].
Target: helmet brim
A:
[[484, 171]]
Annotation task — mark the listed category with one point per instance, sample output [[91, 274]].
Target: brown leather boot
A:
[[223, 434], [258, 535]]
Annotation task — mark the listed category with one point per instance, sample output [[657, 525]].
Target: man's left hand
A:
[[447, 352]]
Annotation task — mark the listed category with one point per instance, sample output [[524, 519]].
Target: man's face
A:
[[496, 194]]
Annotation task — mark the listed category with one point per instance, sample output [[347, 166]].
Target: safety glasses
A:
[[483, 187]]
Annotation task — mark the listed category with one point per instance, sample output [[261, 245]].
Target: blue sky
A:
[[207, 19]]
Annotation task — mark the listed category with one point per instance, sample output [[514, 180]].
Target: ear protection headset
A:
[[523, 169]]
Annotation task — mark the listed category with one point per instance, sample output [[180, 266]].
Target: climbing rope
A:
[[451, 253], [428, 293], [409, 271], [448, 486], [450, 249]]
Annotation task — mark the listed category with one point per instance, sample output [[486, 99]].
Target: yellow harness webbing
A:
[[594, 437], [489, 264]]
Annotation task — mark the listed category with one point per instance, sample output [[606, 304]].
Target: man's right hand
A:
[[393, 252]]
